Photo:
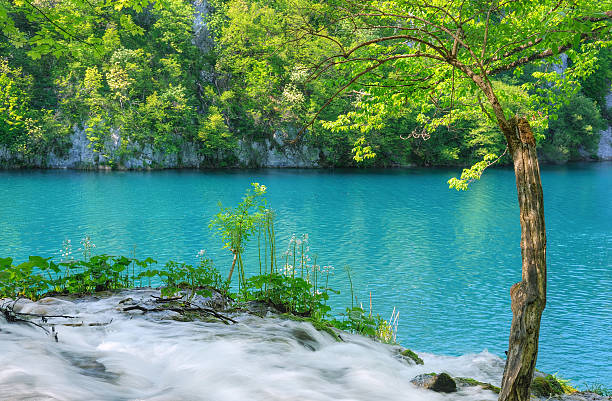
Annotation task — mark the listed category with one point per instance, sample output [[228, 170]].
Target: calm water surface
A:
[[445, 260]]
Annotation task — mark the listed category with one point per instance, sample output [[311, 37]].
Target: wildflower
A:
[[87, 246], [288, 270], [327, 269], [66, 251]]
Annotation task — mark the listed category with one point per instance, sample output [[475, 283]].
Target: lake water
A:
[[444, 259]]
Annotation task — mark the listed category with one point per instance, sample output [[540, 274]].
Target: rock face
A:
[[441, 383], [201, 37], [276, 153], [272, 153], [604, 152]]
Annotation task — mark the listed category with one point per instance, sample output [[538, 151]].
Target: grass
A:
[[599, 389]]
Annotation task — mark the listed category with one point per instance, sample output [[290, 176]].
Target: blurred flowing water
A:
[[444, 259], [108, 355]]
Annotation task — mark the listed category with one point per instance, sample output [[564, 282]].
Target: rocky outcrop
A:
[[276, 153], [201, 36], [273, 153]]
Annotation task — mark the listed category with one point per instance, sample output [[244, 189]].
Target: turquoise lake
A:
[[444, 259]]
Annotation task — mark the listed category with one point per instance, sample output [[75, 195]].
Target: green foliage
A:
[[236, 225], [131, 74], [550, 385], [25, 130], [576, 129], [40, 276], [599, 389], [288, 294], [599, 84], [356, 320], [300, 288], [198, 280], [469, 175]]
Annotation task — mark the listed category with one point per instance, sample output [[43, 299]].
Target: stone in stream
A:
[[409, 356], [441, 383]]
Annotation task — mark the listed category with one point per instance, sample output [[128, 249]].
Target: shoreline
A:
[[105, 169]]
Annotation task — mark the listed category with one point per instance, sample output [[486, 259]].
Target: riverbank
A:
[[267, 153]]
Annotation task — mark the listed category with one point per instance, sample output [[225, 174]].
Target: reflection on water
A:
[[446, 260]]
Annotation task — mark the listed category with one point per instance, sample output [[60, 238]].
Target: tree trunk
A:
[[529, 296]]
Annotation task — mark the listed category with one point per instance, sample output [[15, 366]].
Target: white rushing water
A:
[[136, 357]]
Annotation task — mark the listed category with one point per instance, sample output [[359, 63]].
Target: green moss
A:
[[472, 382], [551, 385], [546, 386], [412, 355]]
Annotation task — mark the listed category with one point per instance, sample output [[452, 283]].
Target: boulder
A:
[[441, 383]]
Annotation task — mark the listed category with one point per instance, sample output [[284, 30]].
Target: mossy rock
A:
[[546, 386], [412, 356], [441, 383], [469, 382]]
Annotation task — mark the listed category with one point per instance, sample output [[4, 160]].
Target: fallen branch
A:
[[193, 308]]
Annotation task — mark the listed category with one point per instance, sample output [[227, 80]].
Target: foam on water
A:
[[138, 358]]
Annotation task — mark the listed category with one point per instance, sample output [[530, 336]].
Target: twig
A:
[[44, 316]]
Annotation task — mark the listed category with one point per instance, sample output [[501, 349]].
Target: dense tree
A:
[[133, 68]]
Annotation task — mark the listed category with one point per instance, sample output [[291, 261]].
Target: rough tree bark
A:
[[529, 296]]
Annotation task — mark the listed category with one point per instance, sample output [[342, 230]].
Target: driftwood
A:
[[11, 316], [181, 310]]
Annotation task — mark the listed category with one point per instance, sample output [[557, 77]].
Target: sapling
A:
[[236, 225]]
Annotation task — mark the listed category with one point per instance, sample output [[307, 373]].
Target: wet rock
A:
[[90, 366], [305, 339], [410, 356], [441, 383], [259, 308]]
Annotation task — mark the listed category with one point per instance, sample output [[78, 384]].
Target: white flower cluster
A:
[[87, 246], [292, 95], [299, 74], [66, 251]]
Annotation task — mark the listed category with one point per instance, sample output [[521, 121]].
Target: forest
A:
[[221, 74]]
